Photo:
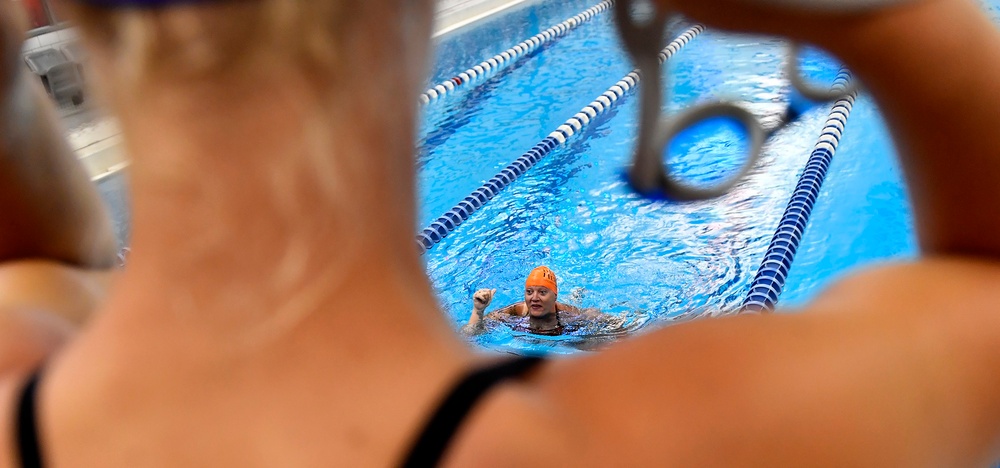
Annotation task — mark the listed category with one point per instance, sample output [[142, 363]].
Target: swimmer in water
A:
[[540, 313]]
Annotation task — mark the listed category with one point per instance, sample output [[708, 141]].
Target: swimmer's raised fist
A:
[[482, 298]]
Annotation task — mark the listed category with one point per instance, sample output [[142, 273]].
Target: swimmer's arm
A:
[[477, 320], [480, 301], [475, 324]]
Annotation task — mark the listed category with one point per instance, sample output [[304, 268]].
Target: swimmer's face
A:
[[540, 301]]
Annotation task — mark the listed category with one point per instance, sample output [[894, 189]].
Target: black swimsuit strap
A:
[[432, 443], [28, 446], [426, 452]]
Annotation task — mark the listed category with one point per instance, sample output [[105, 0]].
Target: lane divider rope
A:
[[449, 221], [491, 66], [770, 279]]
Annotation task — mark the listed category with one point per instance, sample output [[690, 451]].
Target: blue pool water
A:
[[648, 262]]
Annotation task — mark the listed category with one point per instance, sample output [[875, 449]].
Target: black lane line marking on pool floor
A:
[[770, 279], [489, 67], [448, 222]]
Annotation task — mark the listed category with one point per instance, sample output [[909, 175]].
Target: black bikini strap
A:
[[429, 448], [27, 426]]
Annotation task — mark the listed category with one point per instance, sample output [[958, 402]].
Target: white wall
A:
[[455, 13], [52, 39]]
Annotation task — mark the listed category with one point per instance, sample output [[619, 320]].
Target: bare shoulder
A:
[[770, 389], [515, 309]]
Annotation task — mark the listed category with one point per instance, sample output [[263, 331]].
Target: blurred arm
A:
[[56, 241], [895, 367], [50, 209], [934, 71]]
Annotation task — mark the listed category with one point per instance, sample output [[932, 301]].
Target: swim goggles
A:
[[649, 175]]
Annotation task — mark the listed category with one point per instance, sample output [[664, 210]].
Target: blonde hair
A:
[[192, 41], [327, 43]]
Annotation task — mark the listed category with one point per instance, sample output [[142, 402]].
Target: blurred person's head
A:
[[290, 121]]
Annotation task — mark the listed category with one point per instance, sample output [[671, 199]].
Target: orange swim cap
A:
[[542, 276]]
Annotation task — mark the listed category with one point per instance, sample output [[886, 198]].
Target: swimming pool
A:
[[649, 261]]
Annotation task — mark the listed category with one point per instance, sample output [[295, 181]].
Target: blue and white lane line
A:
[[448, 222], [770, 280], [500, 61]]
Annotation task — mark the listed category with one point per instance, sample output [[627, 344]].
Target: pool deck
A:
[[97, 140]]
